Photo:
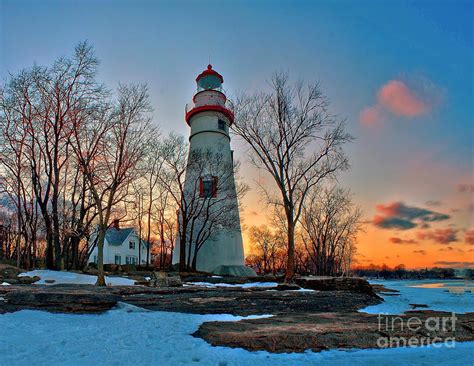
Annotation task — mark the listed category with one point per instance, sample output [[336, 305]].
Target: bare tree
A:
[[174, 151], [156, 195], [293, 137], [42, 101], [330, 223], [267, 245], [117, 137]]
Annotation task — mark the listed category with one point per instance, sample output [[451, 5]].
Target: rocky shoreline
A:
[[322, 316], [186, 299]]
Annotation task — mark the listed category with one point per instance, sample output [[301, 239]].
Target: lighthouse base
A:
[[238, 271]]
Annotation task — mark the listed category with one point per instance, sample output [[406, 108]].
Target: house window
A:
[[118, 259], [221, 125], [131, 245], [208, 187], [131, 260]]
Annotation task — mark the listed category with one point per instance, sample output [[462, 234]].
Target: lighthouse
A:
[[209, 185]]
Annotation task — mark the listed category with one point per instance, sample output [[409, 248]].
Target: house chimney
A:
[[116, 224]]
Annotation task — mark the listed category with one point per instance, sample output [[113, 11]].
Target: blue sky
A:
[[354, 48]]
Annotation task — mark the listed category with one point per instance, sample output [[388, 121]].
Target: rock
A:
[[142, 283], [7, 271], [238, 271], [57, 298], [322, 331], [196, 300], [49, 281], [414, 306], [161, 279], [27, 280], [287, 286], [354, 284]]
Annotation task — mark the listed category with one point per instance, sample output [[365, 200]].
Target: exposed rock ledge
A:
[[192, 299], [322, 331]]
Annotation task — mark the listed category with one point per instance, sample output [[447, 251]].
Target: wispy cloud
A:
[[465, 188], [451, 249], [455, 264], [421, 251], [397, 240], [441, 236], [397, 215], [469, 236], [371, 115]]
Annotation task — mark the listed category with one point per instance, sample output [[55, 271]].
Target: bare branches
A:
[[293, 137], [330, 224]]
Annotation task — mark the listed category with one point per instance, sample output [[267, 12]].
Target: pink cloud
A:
[[469, 236], [465, 188], [397, 240], [400, 100], [370, 115], [442, 236]]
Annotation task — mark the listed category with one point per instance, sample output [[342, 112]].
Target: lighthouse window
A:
[[208, 188], [221, 125]]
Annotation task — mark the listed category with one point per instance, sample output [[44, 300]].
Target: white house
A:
[[121, 246]]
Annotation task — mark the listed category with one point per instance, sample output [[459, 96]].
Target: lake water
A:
[[450, 295]]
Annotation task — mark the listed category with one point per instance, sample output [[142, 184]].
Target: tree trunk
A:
[[182, 249], [290, 266], [100, 256]]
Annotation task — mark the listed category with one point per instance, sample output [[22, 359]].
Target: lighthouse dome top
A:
[[209, 79]]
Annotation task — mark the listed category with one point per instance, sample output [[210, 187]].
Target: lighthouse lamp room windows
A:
[[208, 187]]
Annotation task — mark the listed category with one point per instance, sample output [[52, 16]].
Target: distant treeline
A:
[[400, 272]]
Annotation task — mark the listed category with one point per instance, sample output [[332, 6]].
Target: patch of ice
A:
[[305, 290], [5, 284], [417, 292], [62, 277], [117, 337]]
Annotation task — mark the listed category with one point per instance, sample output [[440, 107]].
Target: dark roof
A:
[[116, 237]]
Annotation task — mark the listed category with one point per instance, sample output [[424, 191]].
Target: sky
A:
[[399, 72]]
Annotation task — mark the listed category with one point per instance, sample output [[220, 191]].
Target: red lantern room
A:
[[209, 96]]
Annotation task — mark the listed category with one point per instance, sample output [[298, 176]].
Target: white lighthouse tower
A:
[[209, 116]]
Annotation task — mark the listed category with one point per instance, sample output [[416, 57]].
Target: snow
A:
[[5, 284], [452, 295], [74, 278], [129, 334]]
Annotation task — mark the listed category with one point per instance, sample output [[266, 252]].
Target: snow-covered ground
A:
[[60, 277], [129, 335], [453, 295]]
